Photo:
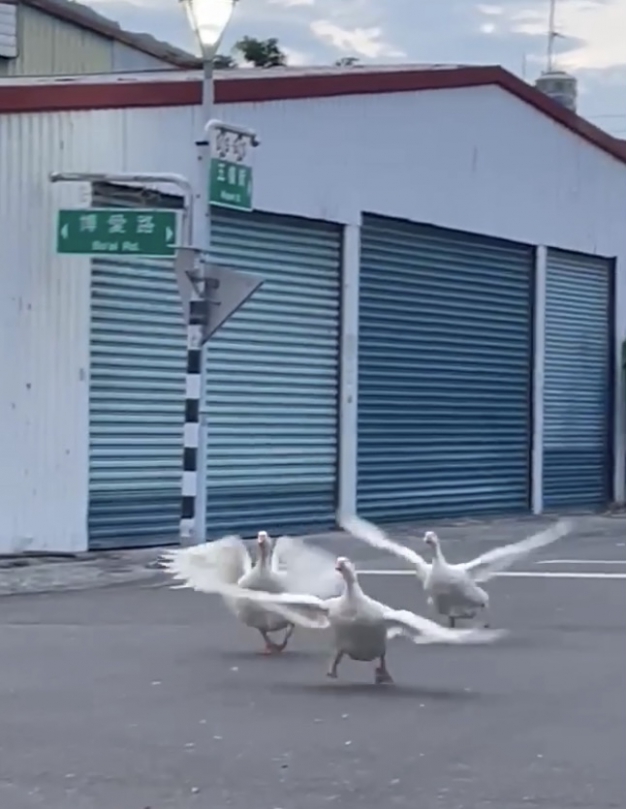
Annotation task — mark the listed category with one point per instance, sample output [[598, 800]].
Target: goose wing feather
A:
[[422, 630], [372, 535], [307, 568], [487, 565], [207, 566], [304, 610]]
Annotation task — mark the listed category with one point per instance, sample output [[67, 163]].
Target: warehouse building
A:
[[439, 332], [57, 37]]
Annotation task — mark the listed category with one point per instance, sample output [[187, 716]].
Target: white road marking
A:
[[582, 562], [513, 574]]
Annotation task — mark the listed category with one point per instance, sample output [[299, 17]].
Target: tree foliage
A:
[[264, 53], [261, 52], [257, 52]]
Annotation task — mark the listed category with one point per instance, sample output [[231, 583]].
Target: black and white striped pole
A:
[[191, 430]]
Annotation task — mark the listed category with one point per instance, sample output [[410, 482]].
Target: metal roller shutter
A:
[[577, 466], [444, 373], [273, 373], [273, 379], [136, 403]]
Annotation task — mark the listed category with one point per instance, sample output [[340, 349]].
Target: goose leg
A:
[[332, 671], [280, 647], [270, 647], [382, 673]]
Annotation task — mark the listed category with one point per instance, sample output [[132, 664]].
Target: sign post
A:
[[234, 190], [115, 231], [230, 181]]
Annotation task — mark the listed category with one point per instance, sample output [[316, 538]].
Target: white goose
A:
[[361, 626], [209, 566], [452, 589]]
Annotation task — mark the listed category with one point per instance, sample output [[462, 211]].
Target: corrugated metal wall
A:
[[272, 388], [50, 46], [44, 349], [273, 380], [445, 351], [578, 386]]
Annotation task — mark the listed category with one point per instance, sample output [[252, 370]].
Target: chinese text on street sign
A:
[[230, 183], [117, 231]]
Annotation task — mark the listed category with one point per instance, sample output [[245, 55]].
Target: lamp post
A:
[[208, 20]]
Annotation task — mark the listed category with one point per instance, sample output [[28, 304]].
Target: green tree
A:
[[261, 52]]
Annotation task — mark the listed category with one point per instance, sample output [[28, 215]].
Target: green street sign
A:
[[230, 174], [231, 185], [117, 231]]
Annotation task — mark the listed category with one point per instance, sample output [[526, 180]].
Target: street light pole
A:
[[202, 238], [208, 19]]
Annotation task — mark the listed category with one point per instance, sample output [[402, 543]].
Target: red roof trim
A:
[[83, 96]]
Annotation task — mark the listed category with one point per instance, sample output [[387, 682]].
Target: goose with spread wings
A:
[[286, 565], [453, 589], [360, 625]]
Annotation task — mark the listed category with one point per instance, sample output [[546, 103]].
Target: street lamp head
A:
[[208, 19]]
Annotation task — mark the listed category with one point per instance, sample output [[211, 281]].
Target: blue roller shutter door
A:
[[273, 380], [578, 390], [444, 373]]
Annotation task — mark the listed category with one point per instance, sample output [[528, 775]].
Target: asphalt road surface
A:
[[140, 696]]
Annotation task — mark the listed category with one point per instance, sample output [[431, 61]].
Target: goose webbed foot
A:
[[334, 663], [272, 648], [382, 674], [280, 647]]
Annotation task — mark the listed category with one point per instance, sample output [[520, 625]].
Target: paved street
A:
[[138, 696]]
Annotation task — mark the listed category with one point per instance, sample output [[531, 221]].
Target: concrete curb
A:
[[31, 573], [37, 576]]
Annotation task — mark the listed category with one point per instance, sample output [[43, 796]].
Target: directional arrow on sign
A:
[[169, 234], [65, 231]]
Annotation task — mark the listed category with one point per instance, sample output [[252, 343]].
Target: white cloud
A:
[[296, 58], [490, 11], [599, 25], [367, 42], [487, 28], [289, 3]]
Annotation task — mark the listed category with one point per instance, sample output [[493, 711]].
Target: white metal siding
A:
[[50, 46], [44, 356], [125, 58]]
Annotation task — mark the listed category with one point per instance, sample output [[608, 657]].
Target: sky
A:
[[512, 33]]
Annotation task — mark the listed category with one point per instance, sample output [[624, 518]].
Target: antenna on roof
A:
[[552, 35], [557, 84]]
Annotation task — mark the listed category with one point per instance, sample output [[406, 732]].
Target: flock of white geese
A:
[[292, 583]]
